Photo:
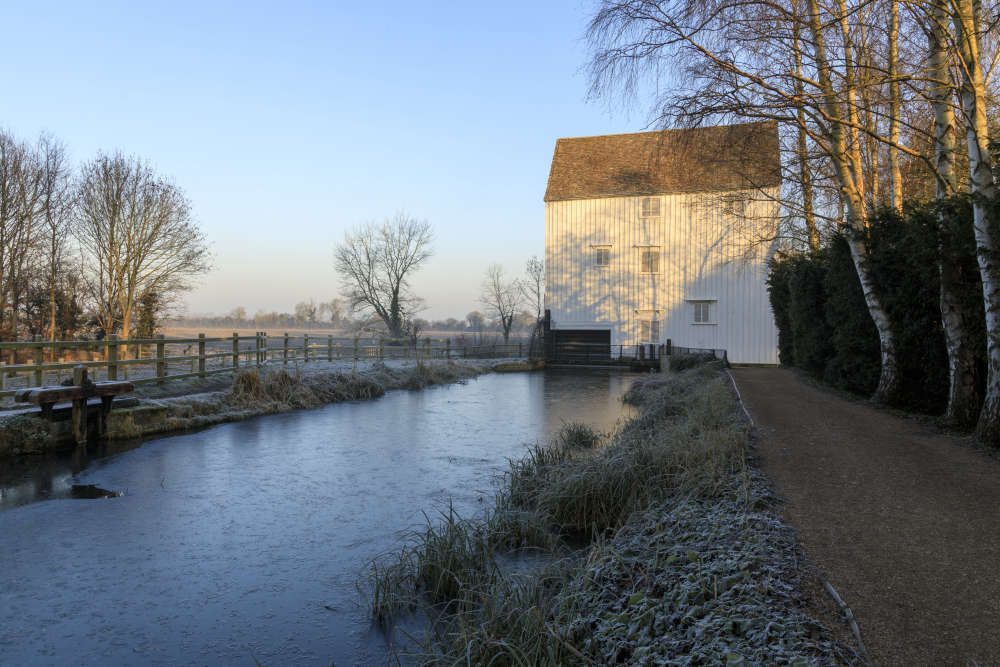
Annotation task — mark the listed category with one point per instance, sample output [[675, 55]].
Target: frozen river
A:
[[245, 541]]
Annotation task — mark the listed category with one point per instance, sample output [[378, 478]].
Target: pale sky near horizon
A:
[[288, 123]]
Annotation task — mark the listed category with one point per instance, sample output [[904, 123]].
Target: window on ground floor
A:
[[649, 326], [704, 311]]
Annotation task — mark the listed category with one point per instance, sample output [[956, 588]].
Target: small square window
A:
[[703, 312], [649, 260], [602, 256], [649, 207]]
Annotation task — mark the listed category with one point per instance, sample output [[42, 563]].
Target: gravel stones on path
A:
[[903, 520]]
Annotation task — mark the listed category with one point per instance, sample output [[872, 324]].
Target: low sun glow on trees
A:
[[870, 96], [136, 237]]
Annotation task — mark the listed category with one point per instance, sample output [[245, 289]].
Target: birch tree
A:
[[376, 262], [742, 59], [965, 20], [136, 236]]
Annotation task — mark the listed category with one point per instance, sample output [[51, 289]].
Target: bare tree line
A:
[[102, 248], [870, 96]]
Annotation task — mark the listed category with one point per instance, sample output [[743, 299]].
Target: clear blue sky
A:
[[288, 123]]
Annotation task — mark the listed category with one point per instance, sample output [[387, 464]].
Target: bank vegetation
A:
[[657, 544]]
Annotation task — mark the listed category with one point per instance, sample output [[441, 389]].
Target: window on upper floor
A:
[[649, 259], [600, 256], [649, 207]]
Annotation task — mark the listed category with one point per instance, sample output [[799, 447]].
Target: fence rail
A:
[[598, 353], [148, 360]]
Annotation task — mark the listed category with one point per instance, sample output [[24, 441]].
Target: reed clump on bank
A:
[[294, 390], [658, 545]]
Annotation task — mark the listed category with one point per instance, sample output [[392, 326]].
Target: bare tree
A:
[[333, 310], [375, 262], [20, 188], [501, 298], [55, 203], [532, 287], [807, 64], [136, 236], [305, 313]]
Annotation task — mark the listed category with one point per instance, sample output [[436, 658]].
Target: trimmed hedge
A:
[[823, 321]]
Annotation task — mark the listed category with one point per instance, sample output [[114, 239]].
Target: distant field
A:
[[218, 332]]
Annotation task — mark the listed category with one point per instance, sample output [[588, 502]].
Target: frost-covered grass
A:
[[660, 548], [280, 389]]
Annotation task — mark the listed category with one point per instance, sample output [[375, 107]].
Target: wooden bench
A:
[[79, 392]]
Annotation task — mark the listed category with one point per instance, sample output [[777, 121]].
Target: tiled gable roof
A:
[[702, 159]]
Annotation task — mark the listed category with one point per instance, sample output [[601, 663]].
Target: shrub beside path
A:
[[903, 520]]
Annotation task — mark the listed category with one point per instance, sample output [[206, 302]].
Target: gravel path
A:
[[904, 521]]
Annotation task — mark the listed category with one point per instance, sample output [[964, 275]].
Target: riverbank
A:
[[184, 405], [660, 544]]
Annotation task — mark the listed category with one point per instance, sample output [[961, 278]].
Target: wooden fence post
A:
[[201, 355], [39, 360], [264, 353], [284, 352], [79, 413], [161, 366], [113, 357], [236, 349], [381, 348], [355, 348], [305, 348], [427, 344], [520, 349], [329, 348], [447, 347]]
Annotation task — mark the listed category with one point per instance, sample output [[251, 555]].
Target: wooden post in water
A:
[[305, 348], [236, 349], [355, 348], [161, 366], [329, 347], [112, 357], [427, 342], [284, 352], [381, 348], [201, 355], [80, 406], [39, 360], [447, 347]]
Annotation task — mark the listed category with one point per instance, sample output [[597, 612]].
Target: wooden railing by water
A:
[[40, 363]]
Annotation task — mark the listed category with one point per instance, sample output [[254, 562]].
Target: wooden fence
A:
[[40, 363]]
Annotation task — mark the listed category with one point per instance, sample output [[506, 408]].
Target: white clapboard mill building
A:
[[664, 235]]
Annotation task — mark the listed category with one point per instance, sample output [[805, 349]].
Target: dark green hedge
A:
[[823, 322]]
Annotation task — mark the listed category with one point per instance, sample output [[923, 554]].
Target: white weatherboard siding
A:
[[704, 257]]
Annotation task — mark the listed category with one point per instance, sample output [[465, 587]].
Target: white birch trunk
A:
[[973, 98], [963, 381], [847, 168]]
